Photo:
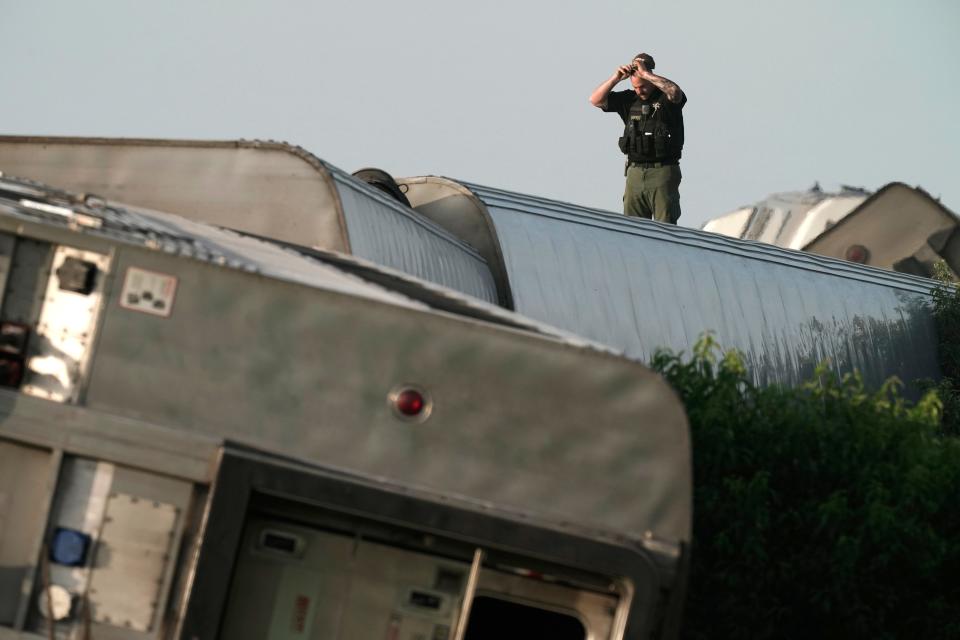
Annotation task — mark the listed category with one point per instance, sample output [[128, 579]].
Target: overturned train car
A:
[[634, 285], [204, 434]]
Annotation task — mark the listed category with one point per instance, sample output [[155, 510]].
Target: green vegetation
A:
[[946, 307], [824, 511]]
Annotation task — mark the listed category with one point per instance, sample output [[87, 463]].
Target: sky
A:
[[781, 94]]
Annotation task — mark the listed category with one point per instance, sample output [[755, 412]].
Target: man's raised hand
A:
[[624, 71], [640, 67]]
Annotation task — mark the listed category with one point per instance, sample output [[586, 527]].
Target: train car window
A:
[[496, 619]]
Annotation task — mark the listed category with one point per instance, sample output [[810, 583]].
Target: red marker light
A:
[[857, 253], [410, 403]]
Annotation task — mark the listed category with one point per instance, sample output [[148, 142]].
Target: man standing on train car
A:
[[652, 139]]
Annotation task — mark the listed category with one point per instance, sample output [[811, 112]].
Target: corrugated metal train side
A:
[[639, 286]]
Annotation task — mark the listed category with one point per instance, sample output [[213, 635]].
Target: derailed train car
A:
[[206, 434], [634, 285]]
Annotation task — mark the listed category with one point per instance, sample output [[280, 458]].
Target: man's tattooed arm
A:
[[670, 89]]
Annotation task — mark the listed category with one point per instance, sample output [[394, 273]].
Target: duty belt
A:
[[653, 165]]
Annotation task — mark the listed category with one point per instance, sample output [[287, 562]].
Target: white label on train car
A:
[[148, 291]]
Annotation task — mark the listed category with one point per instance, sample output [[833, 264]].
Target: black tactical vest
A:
[[653, 130]]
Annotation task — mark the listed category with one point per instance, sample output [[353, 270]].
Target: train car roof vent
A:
[[383, 181]]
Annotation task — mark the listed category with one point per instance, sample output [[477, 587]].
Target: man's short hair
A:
[[647, 60]]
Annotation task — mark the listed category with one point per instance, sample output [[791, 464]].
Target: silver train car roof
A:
[[271, 189], [640, 285]]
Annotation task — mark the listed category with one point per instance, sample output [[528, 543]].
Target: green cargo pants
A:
[[653, 193]]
